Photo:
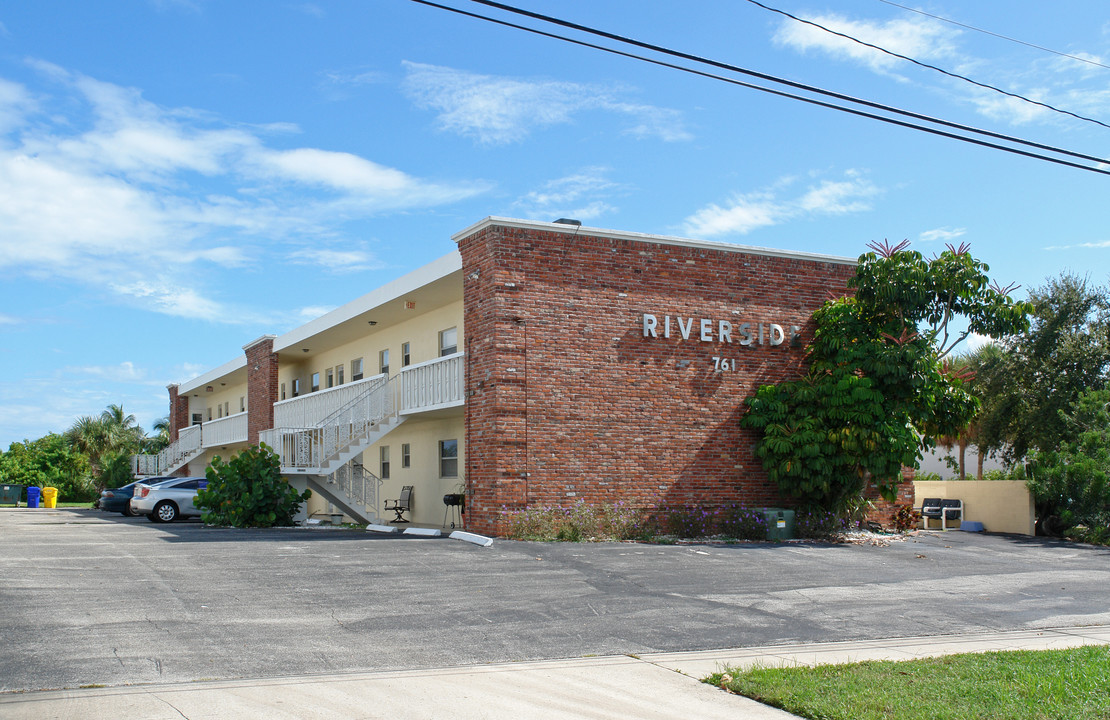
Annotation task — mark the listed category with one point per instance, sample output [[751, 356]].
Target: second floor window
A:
[[329, 377], [339, 374], [383, 362], [356, 369], [406, 358], [315, 381], [296, 387], [449, 342]]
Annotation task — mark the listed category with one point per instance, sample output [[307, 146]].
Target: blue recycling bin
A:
[[33, 495]]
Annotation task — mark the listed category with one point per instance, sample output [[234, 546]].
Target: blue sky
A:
[[178, 178]]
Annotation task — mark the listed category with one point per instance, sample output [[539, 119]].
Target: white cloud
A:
[[944, 234], [9, 320], [337, 261], [498, 110], [579, 195], [1087, 245], [921, 39], [121, 185], [314, 311], [746, 212], [124, 372]]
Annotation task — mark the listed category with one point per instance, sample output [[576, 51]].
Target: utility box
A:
[[780, 523]]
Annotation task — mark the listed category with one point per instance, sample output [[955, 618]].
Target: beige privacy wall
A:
[[1004, 506]]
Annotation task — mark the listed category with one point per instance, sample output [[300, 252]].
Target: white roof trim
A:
[[393, 290], [212, 375], [648, 238]]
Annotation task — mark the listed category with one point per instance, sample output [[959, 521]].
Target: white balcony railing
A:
[[309, 410], [433, 385], [312, 446], [176, 454], [225, 430]]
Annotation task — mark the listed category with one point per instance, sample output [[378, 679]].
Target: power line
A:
[[997, 35], [785, 94], [927, 65]]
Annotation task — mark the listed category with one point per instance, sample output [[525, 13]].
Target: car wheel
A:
[[164, 511]]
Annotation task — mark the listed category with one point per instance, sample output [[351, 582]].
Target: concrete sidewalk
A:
[[657, 685]]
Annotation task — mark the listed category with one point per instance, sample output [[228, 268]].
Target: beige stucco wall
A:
[[421, 332], [1001, 505], [423, 437]]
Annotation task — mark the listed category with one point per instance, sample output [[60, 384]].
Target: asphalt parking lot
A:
[[90, 598]]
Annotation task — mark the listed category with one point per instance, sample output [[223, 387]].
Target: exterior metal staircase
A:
[[173, 457], [324, 455]]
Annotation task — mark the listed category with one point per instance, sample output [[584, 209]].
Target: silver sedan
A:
[[167, 501]]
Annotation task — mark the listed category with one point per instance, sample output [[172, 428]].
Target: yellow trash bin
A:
[[49, 497]]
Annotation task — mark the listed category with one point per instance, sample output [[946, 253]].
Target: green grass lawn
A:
[[1020, 685]]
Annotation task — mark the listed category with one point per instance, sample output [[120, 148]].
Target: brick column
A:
[[262, 385], [179, 412]]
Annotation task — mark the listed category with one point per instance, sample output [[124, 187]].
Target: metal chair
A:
[[401, 505]]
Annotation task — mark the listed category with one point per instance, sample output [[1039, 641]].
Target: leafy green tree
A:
[[878, 390], [116, 471], [1044, 370], [48, 462], [249, 491], [1071, 485], [112, 433]]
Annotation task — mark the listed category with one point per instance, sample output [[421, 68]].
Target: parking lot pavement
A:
[[90, 598]]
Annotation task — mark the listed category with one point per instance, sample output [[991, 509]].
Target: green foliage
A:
[[249, 491], [1071, 485], [817, 523], [49, 462], [116, 471], [1038, 374], [877, 391]]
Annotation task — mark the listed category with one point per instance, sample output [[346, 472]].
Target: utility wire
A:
[[997, 35], [928, 66], [771, 78]]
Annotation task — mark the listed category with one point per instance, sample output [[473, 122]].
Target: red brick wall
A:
[[882, 511], [567, 400], [262, 386], [179, 412]]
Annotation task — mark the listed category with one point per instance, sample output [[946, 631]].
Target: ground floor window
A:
[[406, 456], [384, 451], [448, 458]]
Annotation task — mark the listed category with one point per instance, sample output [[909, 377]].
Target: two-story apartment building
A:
[[538, 364]]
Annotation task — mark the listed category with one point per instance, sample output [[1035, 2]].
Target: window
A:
[[283, 391], [329, 377], [209, 413], [339, 374], [315, 382], [242, 404], [356, 369], [406, 358], [197, 418], [384, 450], [448, 341], [448, 458], [406, 456], [383, 362], [296, 387], [219, 411], [227, 408]]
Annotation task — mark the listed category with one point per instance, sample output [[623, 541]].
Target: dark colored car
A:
[[119, 499]]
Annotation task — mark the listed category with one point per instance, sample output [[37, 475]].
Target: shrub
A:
[[687, 521], [906, 518], [817, 523], [579, 522], [116, 471], [743, 523], [249, 491]]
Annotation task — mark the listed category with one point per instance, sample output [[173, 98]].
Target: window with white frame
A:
[[296, 387], [406, 356], [242, 403], [448, 341], [406, 455], [227, 408], [283, 391], [384, 450], [383, 362], [448, 458], [315, 382], [356, 369], [329, 378]]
